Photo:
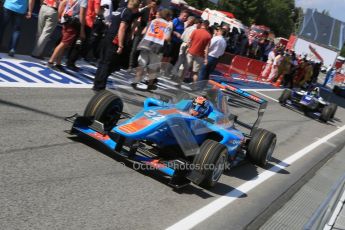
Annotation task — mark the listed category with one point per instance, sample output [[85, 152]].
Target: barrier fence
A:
[[244, 67]]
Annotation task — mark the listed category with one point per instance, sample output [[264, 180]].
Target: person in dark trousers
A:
[[216, 50], [178, 29], [316, 71], [81, 48], [290, 75], [115, 42], [73, 19], [13, 13], [147, 14]]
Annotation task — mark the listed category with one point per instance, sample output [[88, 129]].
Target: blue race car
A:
[[191, 137], [310, 102]]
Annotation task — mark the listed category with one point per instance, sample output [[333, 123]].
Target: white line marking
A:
[[273, 99], [328, 143], [44, 85], [18, 79], [207, 211], [263, 90], [335, 214], [249, 80]]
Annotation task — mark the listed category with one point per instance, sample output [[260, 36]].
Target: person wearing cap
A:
[[198, 46], [215, 51]]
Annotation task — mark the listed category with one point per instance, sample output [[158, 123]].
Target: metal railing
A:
[[326, 215]]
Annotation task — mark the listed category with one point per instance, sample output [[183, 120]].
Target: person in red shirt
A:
[[72, 14], [82, 48], [198, 49]]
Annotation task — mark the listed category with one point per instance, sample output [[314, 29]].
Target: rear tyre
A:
[[261, 147], [336, 90], [326, 113], [106, 108], [334, 109], [210, 162], [286, 95]]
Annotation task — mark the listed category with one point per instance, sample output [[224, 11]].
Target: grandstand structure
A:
[[323, 30]]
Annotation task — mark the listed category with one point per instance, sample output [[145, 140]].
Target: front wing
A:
[[176, 169]]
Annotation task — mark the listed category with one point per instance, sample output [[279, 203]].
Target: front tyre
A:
[[210, 162], [106, 108], [261, 147], [286, 95], [334, 109], [326, 113]]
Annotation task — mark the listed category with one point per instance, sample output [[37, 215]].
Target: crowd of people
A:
[[140, 35], [115, 34], [247, 45], [289, 69]]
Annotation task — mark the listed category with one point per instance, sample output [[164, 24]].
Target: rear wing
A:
[[228, 89]]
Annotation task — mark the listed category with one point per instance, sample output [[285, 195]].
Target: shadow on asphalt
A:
[[219, 189], [277, 161], [252, 170], [223, 189], [237, 172], [23, 107], [272, 166], [313, 116]]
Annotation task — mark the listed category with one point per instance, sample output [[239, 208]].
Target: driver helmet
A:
[[315, 91], [200, 107]]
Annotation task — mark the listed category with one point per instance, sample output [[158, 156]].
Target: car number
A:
[[153, 115]]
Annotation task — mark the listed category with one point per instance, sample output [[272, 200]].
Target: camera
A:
[[79, 42], [70, 20]]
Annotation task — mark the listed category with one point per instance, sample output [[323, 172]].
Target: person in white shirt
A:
[[182, 60], [276, 63], [107, 6], [268, 67], [216, 50]]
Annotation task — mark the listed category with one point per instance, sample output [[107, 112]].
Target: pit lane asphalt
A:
[[50, 180]]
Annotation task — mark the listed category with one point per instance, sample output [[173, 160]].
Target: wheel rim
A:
[[219, 168], [270, 150], [111, 116]]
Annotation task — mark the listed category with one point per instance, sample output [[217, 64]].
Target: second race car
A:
[[309, 102]]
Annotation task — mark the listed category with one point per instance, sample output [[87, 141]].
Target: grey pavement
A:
[[340, 221], [50, 180], [298, 211]]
